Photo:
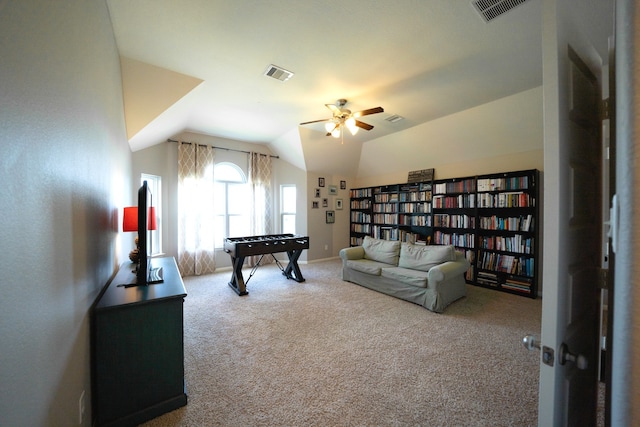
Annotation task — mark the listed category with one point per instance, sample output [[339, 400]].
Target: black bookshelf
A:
[[492, 219]]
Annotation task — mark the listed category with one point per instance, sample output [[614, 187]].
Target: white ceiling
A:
[[420, 59]]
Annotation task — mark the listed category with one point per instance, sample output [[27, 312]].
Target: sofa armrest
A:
[[448, 270], [355, 252]]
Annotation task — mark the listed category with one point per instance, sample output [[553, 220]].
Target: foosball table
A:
[[241, 247]]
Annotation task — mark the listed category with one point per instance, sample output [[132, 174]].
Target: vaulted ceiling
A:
[[198, 65]]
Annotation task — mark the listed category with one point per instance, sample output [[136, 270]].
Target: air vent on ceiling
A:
[[278, 73], [395, 118], [491, 9]]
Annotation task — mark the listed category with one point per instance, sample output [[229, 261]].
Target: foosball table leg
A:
[[237, 281], [293, 271]]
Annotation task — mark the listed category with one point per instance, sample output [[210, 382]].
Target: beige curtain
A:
[[261, 199], [196, 243]]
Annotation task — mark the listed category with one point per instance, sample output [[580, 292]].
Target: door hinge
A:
[[603, 283], [604, 110]]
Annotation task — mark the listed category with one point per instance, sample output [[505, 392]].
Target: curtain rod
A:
[[222, 148]]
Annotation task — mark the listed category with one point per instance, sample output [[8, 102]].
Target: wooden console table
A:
[[138, 348]]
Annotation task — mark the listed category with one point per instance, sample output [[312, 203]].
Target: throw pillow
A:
[[386, 251], [418, 257]]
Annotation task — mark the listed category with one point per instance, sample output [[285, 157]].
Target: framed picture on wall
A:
[[314, 205], [338, 204], [331, 217], [325, 203], [333, 190], [317, 192], [343, 185], [320, 182]]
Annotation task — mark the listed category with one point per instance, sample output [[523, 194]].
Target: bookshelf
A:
[[507, 240], [360, 210], [414, 212], [385, 212], [454, 217], [491, 218]]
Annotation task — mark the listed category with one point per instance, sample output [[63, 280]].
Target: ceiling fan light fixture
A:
[[329, 126], [351, 125], [336, 132]]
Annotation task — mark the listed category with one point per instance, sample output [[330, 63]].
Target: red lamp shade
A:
[[130, 219], [152, 222]]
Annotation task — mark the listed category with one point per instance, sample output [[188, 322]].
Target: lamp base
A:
[[134, 255]]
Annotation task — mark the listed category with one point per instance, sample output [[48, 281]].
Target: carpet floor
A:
[[331, 353]]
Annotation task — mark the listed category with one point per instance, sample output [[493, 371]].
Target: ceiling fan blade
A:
[[315, 121], [334, 109], [363, 125], [369, 111]]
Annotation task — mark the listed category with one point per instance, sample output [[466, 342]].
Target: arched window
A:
[[231, 203]]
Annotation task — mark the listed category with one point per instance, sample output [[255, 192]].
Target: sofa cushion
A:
[[407, 276], [386, 251], [366, 266], [419, 257]]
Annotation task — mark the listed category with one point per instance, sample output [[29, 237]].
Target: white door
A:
[[573, 57]]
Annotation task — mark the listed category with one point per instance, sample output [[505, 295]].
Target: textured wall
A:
[[65, 175]]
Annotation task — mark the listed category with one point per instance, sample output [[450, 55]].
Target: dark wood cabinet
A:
[[138, 348]]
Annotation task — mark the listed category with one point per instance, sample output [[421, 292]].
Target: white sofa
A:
[[431, 276]]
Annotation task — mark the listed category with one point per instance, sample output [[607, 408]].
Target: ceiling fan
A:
[[343, 117]]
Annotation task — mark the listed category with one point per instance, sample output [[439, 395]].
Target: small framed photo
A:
[[325, 203], [343, 185], [331, 217], [321, 182], [333, 190], [317, 192], [338, 204], [314, 205]]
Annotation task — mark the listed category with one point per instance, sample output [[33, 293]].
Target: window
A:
[[232, 202], [155, 186], [288, 209]]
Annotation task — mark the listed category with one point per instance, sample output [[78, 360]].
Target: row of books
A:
[[516, 243], [360, 192], [505, 200], [361, 228], [464, 186], [422, 207], [464, 240], [453, 221], [416, 187], [386, 198], [506, 263], [415, 220], [459, 201], [357, 216], [385, 207], [502, 184], [388, 219], [385, 233], [418, 196], [520, 223], [356, 241], [360, 204], [506, 282], [513, 284]]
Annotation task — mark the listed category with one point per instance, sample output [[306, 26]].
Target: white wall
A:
[[469, 138], [65, 177], [162, 160]]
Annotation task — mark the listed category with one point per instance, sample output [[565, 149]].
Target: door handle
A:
[[530, 342], [566, 356]]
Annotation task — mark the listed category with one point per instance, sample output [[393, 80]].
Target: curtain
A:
[[196, 243], [261, 199]]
